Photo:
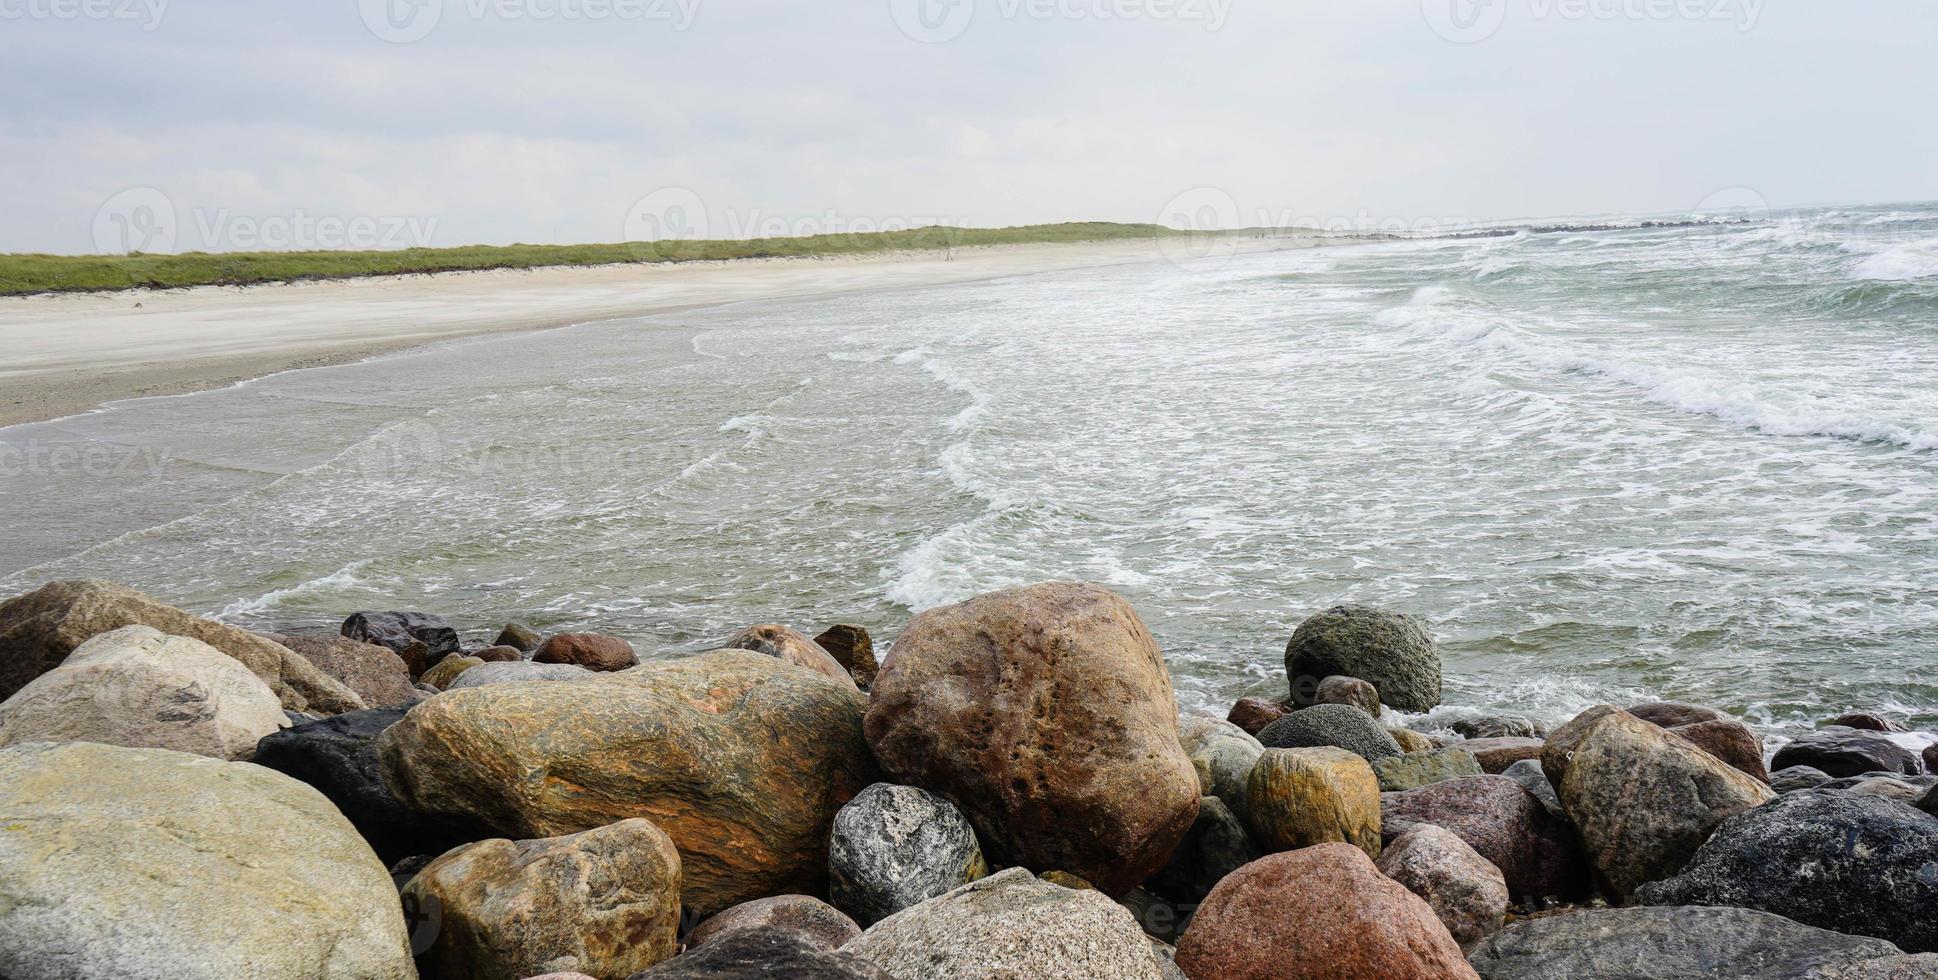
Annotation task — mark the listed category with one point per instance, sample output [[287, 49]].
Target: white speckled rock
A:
[[1010, 925], [897, 846], [1465, 890], [139, 688], [118, 862]]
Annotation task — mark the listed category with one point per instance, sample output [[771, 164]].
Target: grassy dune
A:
[[21, 274]]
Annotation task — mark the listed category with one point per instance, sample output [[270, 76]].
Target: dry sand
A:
[[66, 354]]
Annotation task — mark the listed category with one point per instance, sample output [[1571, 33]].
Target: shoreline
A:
[[77, 352]]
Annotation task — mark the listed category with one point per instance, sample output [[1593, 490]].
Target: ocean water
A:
[[1697, 463]]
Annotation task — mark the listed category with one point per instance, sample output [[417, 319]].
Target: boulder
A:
[[1321, 912], [1498, 726], [1416, 769], [447, 671], [1223, 754], [1162, 920], [1465, 890], [1675, 714], [898, 846], [1537, 853], [1335, 725], [605, 903], [40, 629], [1923, 966], [1302, 797], [1046, 714], [854, 650], [1929, 803], [1848, 752], [119, 862], [1642, 798], [1349, 691], [398, 630], [137, 688], [1863, 865], [1798, 777], [1730, 741], [1010, 925], [522, 672], [1931, 757], [501, 655], [808, 918], [792, 647], [741, 759], [1412, 741], [764, 954], [1905, 789], [1391, 651], [1217, 845], [593, 651], [1529, 774], [338, 756], [519, 637], [1253, 714], [1865, 721], [375, 673], [1496, 754], [1667, 944]]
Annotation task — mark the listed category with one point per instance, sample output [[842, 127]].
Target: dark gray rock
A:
[[1848, 752], [1798, 778], [1931, 757], [398, 630], [1217, 845], [1331, 725], [1498, 726], [1667, 944], [1930, 802], [1905, 789], [338, 756], [1416, 769], [1864, 865], [894, 847], [853, 649], [1528, 773], [1391, 651], [763, 954]]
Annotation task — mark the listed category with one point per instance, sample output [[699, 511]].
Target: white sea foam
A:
[[343, 578], [1901, 263]]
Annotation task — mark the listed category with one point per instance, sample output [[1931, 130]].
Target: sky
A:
[[176, 125]]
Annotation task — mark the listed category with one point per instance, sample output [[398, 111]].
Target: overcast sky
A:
[[243, 123]]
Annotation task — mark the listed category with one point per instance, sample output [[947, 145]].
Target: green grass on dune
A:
[[90, 273]]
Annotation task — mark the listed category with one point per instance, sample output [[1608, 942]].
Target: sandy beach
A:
[[69, 353]]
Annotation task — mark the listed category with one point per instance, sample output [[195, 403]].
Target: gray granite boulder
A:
[[1798, 777], [1539, 855], [520, 672], [138, 688], [1335, 725], [398, 630], [1864, 865], [897, 846], [764, 954], [1391, 651], [1465, 890], [120, 862], [1668, 944], [1010, 925], [809, 918], [1223, 754], [1416, 769], [1217, 845]]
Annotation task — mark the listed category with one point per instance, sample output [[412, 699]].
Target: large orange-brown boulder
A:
[[791, 646], [38, 630], [1322, 913], [1046, 715], [593, 651], [742, 759]]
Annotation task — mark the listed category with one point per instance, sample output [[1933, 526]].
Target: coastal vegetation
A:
[[35, 273]]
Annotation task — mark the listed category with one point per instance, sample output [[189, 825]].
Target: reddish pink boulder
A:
[[1497, 817], [1321, 913], [1496, 754], [1253, 714]]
